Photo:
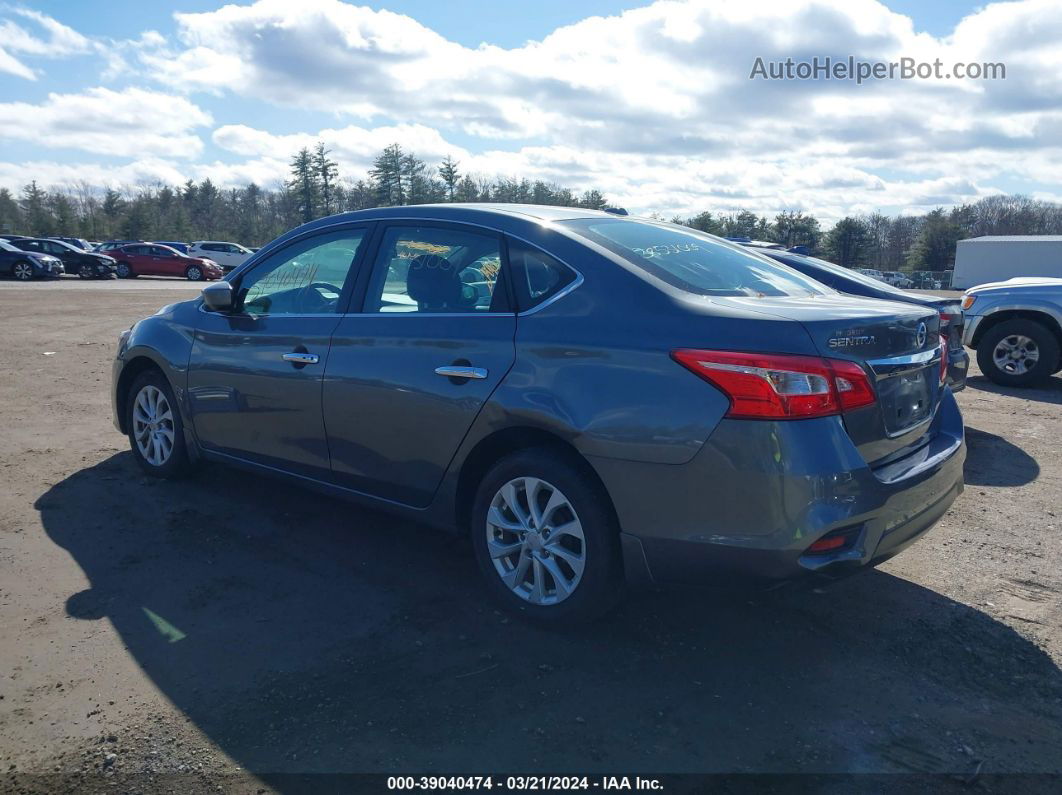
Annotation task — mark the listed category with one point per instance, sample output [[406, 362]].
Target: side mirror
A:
[[218, 297]]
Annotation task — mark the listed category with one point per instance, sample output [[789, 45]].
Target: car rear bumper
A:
[[758, 494]]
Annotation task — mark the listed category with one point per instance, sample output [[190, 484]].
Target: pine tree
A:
[[848, 243], [386, 175], [449, 175], [35, 215], [327, 173], [303, 185]]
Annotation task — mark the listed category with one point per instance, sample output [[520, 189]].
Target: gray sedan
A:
[[593, 400]]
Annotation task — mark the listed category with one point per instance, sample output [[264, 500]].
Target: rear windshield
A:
[[693, 261]]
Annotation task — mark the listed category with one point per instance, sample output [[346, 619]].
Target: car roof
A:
[[476, 211]]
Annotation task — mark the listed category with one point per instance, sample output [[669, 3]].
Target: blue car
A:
[[591, 400], [182, 247], [853, 282]]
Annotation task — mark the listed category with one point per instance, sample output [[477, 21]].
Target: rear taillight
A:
[[781, 386], [943, 358]]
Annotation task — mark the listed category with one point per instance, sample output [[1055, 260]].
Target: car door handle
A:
[[301, 358], [455, 371]]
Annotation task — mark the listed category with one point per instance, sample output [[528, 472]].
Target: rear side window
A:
[[537, 276], [693, 261]]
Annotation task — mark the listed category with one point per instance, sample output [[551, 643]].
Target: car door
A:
[[255, 374], [408, 373], [165, 262]]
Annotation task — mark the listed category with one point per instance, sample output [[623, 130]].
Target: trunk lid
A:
[[896, 344]]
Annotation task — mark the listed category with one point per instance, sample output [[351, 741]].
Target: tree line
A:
[[314, 187]]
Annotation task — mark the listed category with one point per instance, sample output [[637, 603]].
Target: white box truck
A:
[[996, 258]]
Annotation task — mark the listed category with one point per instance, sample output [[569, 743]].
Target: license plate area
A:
[[906, 398]]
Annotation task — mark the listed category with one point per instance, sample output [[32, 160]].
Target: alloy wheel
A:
[[123, 270], [23, 271], [1016, 354], [536, 541], [153, 425]]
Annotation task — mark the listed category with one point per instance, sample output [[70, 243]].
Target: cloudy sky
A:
[[650, 102]]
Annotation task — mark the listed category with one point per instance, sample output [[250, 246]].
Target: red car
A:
[[151, 259]]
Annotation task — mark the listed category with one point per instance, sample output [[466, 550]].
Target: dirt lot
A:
[[221, 632]]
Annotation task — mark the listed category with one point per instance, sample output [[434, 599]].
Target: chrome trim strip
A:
[[578, 275], [884, 368], [454, 371]]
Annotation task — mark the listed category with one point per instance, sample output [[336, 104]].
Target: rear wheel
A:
[[545, 538], [22, 271], [124, 270], [156, 432], [194, 273], [1018, 352]]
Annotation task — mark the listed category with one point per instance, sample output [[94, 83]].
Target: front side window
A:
[[305, 278], [437, 269], [693, 261]]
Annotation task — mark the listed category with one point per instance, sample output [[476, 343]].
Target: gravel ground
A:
[[221, 632]]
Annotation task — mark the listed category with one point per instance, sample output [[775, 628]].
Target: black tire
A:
[[178, 464], [601, 585], [85, 272], [194, 273], [23, 273], [124, 271], [1046, 346]]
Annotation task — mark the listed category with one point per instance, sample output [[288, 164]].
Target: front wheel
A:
[[22, 271], [156, 431], [1018, 353], [86, 272], [545, 538], [194, 273], [124, 270]]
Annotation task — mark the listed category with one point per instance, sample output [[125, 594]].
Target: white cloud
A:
[[58, 41], [654, 105], [129, 123]]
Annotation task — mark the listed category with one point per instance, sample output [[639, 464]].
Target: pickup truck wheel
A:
[[1018, 353]]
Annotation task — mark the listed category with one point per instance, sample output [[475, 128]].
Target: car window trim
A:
[[359, 297], [353, 274]]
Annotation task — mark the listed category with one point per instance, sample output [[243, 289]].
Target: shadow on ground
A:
[[1049, 392], [993, 461], [305, 634]]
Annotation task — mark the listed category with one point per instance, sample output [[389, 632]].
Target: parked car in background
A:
[[108, 245], [182, 247], [10, 238], [151, 259], [897, 279], [924, 280], [1016, 328], [587, 419], [27, 265], [228, 255], [76, 242], [873, 273], [86, 264], [853, 282]]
